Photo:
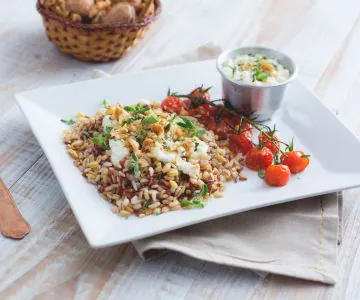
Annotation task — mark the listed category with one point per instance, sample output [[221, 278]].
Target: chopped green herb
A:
[[142, 134], [200, 132], [147, 203], [143, 110], [204, 190], [258, 75], [134, 166], [131, 119], [186, 203], [68, 122], [150, 120], [138, 109], [105, 103], [102, 140], [305, 156], [107, 130], [129, 108], [187, 124], [196, 203], [262, 77], [87, 134], [190, 127], [167, 127], [233, 70], [196, 146]]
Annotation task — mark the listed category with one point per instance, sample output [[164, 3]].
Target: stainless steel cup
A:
[[253, 100]]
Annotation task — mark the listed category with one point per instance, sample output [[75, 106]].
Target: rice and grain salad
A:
[[146, 161]]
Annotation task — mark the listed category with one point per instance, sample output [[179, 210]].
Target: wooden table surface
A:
[[55, 261]]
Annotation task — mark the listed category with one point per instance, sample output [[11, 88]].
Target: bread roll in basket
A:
[[98, 42]]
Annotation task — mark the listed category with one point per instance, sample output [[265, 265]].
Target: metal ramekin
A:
[[252, 100]]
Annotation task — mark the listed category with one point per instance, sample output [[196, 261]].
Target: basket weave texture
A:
[[97, 42]]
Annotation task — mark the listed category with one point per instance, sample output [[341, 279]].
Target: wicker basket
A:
[[97, 42]]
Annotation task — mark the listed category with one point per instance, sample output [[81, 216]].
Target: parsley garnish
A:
[[204, 190], [187, 124], [129, 108], [137, 109], [168, 125], [134, 166], [258, 75], [105, 103], [196, 203], [102, 140], [150, 120], [142, 135], [87, 134], [68, 122], [130, 120], [196, 146], [190, 127], [200, 132], [147, 203]]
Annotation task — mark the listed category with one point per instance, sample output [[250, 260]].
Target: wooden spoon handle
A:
[[12, 223]]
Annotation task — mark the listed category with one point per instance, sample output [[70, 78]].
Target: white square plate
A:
[[316, 129]]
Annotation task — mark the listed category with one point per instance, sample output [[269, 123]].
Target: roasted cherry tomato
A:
[[273, 145], [221, 127], [277, 175], [246, 127], [296, 160], [206, 109], [192, 112], [259, 159], [200, 92], [241, 142], [202, 109], [172, 104]]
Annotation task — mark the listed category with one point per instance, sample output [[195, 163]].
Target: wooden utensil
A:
[[12, 223]]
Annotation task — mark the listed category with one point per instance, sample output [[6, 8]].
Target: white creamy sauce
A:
[[201, 151], [255, 69], [118, 151], [186, 167], [172, 157], [164, 156]]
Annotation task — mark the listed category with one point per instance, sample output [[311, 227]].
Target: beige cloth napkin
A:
[[297, 239]]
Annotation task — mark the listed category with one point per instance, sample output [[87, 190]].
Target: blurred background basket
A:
[[97, 42]]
